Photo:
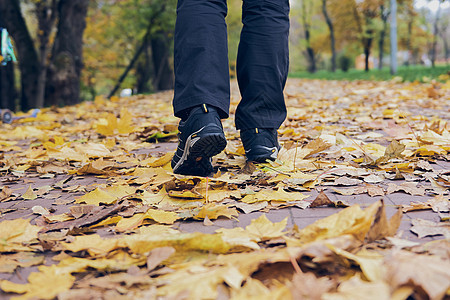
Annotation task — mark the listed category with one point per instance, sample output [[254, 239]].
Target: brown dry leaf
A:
[[425, 228], [308, 286], [315, 146], [408, 187], [346, 181], [9, 262], [427, 274], [414, 206], [321, 200], [394, 150], [79, 211], [374, 190], [90, 169], [248, 208], [351, 191], [94, 216], [381, 227], [157, 256], [5, 193], [356, 288], [440, 203]]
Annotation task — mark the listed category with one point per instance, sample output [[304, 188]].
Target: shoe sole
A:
[[197, 151], [272, 155]]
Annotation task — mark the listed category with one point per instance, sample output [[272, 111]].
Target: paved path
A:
[[60, 200]]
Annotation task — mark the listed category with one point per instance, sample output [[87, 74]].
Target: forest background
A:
[[75, 50]]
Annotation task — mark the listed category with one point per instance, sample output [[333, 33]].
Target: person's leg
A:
[[202, 84], [262, 64], [201, 56]]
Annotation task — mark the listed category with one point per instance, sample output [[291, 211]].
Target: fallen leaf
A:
[[212, 212], [157, 256], [427, 274], [264, 229], [29, 194], [38, 286], [425, 228], [407, 187], [308, 286]]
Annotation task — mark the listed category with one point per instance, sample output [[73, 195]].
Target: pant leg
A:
[[201, 56], [263, 63]]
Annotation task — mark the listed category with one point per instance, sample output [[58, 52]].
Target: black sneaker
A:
[[260, 144], [200, 137]]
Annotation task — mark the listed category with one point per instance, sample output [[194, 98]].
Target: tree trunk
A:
[[384, 18], [144, 71], [446, 46], [131, 64], [63, 84], [435, 36], [309, 49], [27, 56], [367, 46], [144, 45], [332, 38], [164, 78], [46, 19]]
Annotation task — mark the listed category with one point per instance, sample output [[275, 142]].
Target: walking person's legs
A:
[[201, 56], [202, 92], [262, 68]]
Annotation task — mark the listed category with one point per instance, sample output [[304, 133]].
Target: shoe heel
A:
[[209, 145]]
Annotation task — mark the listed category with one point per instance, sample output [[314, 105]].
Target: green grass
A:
[[412, 73]]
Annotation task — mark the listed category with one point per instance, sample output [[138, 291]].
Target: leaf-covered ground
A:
[[90, 208]]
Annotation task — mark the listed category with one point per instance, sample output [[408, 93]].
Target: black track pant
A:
[[201, 60]]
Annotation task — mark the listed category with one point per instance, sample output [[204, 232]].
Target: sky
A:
[[433, 5]]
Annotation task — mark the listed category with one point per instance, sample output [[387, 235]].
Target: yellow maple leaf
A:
[[15, 232], [93, 243], [38, 286], [29, 194], [106, 195], [111, 125], [155, 236], [93, 150], [263, 228], [96, 197], [155, 162], [352, 220], [270, 195], [162, 217], [213, 212]]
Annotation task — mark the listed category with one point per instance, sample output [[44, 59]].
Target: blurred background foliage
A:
[[128, 44]]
